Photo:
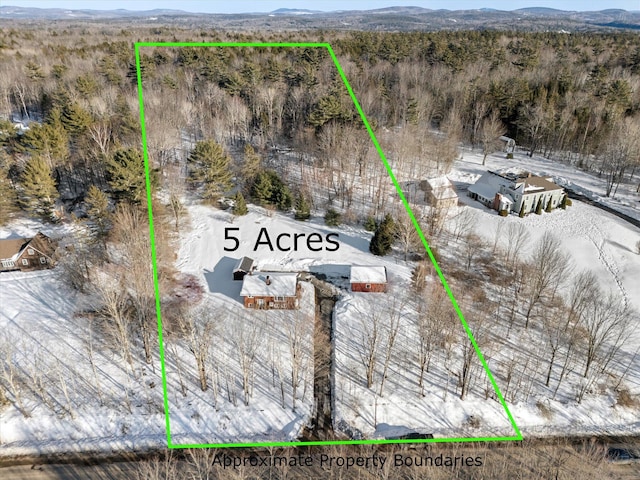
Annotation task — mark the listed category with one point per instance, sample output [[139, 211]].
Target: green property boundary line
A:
[[139, 45]]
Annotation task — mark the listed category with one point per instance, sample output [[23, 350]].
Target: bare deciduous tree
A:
[[197, 326]]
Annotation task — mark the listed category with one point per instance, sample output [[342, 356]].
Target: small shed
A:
[[508, 144], [244, 266], [365, 278]]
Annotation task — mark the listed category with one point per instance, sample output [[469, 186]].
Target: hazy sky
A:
[[236, 6]]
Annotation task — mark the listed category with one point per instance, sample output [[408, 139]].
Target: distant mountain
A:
[[396, 18], [545, 11], [294, 11], [400, 10], [63, 13]]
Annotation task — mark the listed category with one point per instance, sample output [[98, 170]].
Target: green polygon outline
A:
[[138, 45]]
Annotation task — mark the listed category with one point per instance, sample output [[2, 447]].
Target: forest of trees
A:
[[574, 97]]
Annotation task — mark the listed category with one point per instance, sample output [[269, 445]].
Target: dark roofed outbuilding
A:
[[244, 266]]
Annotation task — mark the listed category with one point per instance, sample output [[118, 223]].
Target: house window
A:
[[43, 260], [249, 305], [8, 263], [279, 299], [367, 286], [30, 251], [25, 261]]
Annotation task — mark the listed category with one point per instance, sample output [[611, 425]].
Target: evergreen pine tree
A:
[[383, 237], [7, 198], [370, 224], [251, 166], [125, 172], [97, 203], [210, 168], [268, 188], [240, 206], [303, 210], [49, 140], [38, 191], [261, 190], [75, 119], [539, 207], [563, 202], [332, 218]]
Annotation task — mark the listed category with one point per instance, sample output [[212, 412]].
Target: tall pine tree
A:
[[251, 166], [210, 169], [383, 237], [125, 172], [303, 210], [8, 197], [97, 203], [38, 193], [240, 206]]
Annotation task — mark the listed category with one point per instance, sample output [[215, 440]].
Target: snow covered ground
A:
[[358, 410], [41, 335], [596, 239], [69, 406]]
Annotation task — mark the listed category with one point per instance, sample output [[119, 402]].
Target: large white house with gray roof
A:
[[512, 189]]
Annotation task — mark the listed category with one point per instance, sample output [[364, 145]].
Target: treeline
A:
[[569, 95]]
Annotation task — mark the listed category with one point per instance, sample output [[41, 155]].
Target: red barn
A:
[[366, 278]]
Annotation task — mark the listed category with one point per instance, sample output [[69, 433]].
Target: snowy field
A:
[[66, 405], [359, 411]]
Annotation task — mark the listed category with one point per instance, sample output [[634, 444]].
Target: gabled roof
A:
[[280, 284], [540, 184], [15, 247], [368, 274], [10, 248], [244, 265], [439, 182]]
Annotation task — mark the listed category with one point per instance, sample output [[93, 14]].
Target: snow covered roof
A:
[[263, 284], [368, 274], [439, 182], [485, 190], [444, 193]]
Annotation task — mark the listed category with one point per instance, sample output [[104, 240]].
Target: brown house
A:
[[368, 279], [26, 254], [266, 291]]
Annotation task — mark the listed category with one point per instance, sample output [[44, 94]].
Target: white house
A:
[[511, 189]]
